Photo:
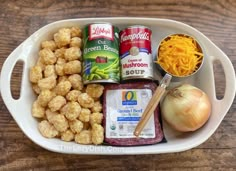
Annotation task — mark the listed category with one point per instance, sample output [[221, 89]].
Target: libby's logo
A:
[[97, 31], [140, 35]]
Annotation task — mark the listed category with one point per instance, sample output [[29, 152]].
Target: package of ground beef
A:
[[123, 106]]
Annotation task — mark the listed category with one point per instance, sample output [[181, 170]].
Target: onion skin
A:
[[186, 108]]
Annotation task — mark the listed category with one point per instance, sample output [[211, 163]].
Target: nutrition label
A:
[[124, 109]]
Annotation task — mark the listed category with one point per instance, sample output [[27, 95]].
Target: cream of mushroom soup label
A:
[[136, 53]]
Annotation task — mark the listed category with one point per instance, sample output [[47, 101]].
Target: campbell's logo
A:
[[141, 35], [101, 31]]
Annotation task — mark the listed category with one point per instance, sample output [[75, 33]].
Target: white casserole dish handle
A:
[[15, 106], [230, 82]]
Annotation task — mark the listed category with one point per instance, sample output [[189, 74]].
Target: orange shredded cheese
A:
[[179, 55]]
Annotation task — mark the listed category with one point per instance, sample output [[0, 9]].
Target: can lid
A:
[[137, 26], [101, 81], [101, 22]]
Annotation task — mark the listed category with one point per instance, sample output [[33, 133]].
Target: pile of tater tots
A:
[[66, 108]]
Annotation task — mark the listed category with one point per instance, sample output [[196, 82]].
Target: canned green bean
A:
[[101, 53]]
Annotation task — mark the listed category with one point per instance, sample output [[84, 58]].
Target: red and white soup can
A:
[[136, 53]]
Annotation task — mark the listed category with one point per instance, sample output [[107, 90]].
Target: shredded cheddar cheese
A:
[[179, 55]]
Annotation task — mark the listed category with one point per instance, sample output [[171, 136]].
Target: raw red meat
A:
[[133, 141]]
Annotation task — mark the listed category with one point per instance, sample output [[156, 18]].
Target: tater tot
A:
[[72, 67], [97, 107], [62, 78], [73, 95], [56, 103], [76, 32], [59, 53], [76, 42], [64, 109], [95, 90], [73, 110], [84, 115], [37, 110], [35, 74], [49, 44], [50, 115], [97, 134], [50, 71], [76, 126], [96, 118], [59, 68], [47, 130], [62, 88], [67, 135], [45, 96], [84, 137], [73, 53], [60, 122], [62, 37], [47, 83], [48, 57], [36, 88], [76, 81], [40, 63], [85, 100], [61, 61]]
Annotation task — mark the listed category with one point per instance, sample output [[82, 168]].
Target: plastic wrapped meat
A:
[[123, 106]]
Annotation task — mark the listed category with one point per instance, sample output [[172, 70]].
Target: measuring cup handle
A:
[[149, 109]]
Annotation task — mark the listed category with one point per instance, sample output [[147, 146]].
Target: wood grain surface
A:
[[214, 18]]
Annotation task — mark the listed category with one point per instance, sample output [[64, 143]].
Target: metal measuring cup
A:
[[159, 92]]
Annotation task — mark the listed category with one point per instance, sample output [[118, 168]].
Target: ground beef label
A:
[[124, 109]]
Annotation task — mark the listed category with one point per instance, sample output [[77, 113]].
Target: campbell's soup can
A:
[[101, 62], [136, 53]]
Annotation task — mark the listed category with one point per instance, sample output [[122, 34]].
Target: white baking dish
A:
[[27, 52]]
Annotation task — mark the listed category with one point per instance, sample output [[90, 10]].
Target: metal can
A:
[[101, 62], [136, 53]]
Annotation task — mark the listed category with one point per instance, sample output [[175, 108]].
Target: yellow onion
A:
[[186, 108]]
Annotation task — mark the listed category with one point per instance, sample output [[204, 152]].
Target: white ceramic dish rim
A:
[[17, 106]]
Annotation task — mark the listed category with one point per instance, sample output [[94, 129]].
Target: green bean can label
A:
[[101, 53]]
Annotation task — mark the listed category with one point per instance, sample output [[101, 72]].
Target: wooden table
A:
[[215, 19]]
